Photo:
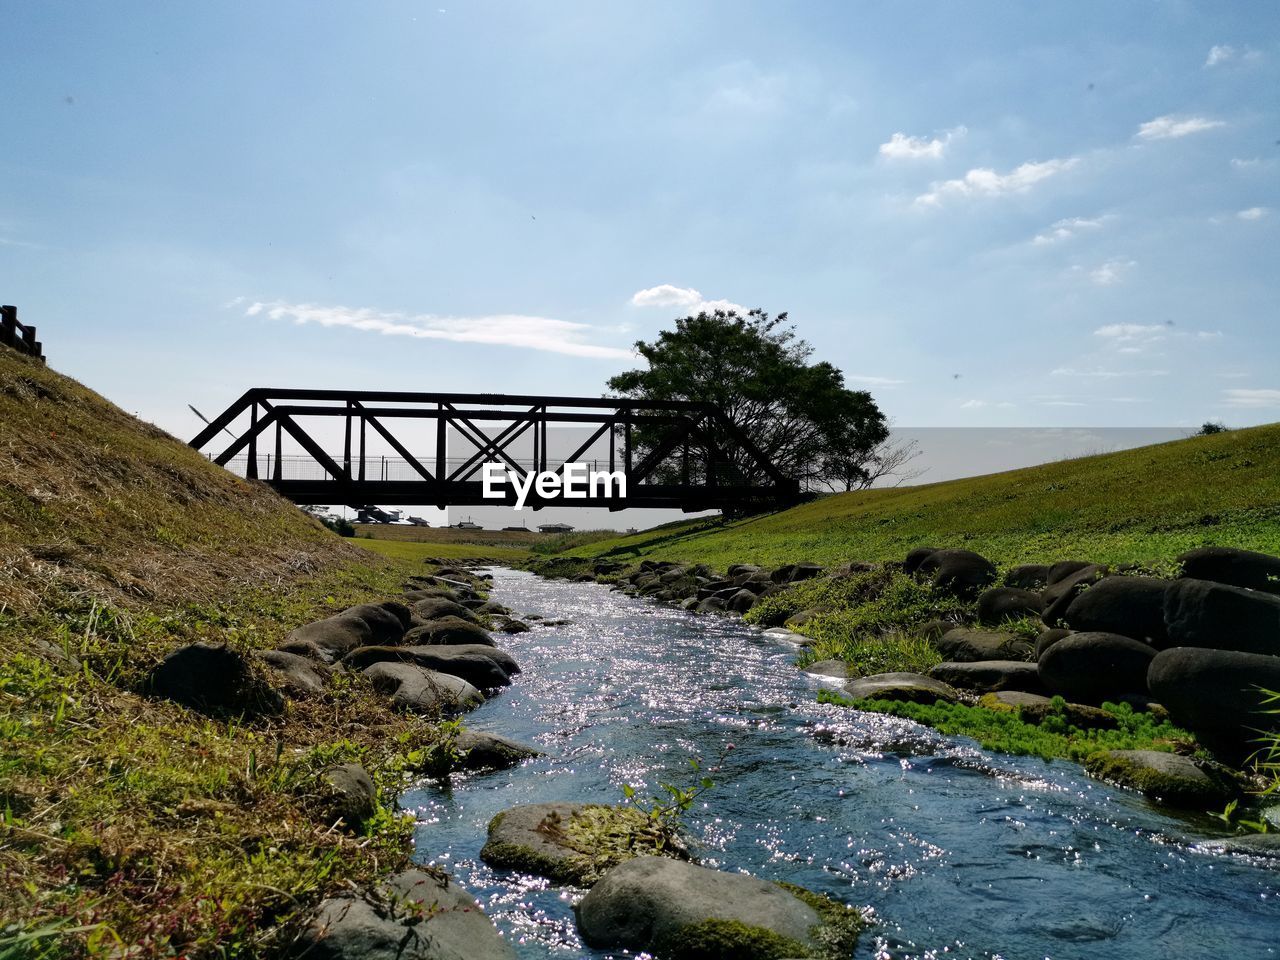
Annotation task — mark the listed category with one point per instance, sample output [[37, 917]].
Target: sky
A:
[[987, 214]]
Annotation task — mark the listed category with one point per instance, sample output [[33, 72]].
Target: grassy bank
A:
[[130, 825], [1137, 506]]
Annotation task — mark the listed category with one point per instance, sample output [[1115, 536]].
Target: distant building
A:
[[554, 528], [520, 529], [467, 525], [418, 521]]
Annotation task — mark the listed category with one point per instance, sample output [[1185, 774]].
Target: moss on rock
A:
[[1166, 777], [716, 939]]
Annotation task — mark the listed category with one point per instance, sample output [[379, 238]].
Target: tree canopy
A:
[[754, 368]]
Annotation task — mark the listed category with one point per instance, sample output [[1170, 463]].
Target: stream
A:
[[955, 851]]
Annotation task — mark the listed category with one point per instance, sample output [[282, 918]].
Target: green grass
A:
[[1137, 506], [1007, 732], [417, 552], [130, 825]]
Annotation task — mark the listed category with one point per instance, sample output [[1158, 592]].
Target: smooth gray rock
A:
[[1130, 606], [1167, 777], [478, 750], [988, 676], [421, 690], [214, 679], [347, 794], [965, 645], [902, 687], [741, 601], [836, 669], [1048, 638], [1028, 576], [998, 604], [1094, 667], [1216, 693], [961, 573], [447, 630], [446, 924], [647, 904], [1239, 568], [470, 663], [436, 608], [302, 675], [1200, 613]]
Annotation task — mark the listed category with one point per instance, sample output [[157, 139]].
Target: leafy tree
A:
[[1210, 427], [799, 414]]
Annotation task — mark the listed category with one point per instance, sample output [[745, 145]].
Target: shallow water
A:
[[957, 852]]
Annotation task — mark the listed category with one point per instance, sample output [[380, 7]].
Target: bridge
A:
[[399, 448]]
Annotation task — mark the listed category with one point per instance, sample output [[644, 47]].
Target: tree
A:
[[799, 414], [860, 470], [1210, 427]]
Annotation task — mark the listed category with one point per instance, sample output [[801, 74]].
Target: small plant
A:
[[674, 801]]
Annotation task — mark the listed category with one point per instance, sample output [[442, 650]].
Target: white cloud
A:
[[1219, 54], [981, 404], [511, 330], [1068, 228], [685, 298], [902, 147], [1252, 398], [1246, 163], [1111, 272], [1170, 128], [1253, 213], [985, 182], [1104, 374], [1129, 331]]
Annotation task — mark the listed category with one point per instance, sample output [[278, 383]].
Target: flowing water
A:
[[957, 852]]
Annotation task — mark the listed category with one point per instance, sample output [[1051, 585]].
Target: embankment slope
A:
[[1136, 506]]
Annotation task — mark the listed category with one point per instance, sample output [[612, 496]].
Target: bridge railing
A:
[[19, 336], [691, 456]]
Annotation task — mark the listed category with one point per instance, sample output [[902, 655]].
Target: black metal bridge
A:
[[692, 458]]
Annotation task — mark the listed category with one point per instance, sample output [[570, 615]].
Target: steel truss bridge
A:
[[694, 457]]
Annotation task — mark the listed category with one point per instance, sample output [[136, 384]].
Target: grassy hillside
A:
[[1145, 505], [95, 503], [130, 825]]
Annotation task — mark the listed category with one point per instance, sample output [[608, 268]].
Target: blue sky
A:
[[987, 214]]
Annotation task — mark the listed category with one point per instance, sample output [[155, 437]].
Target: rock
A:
[[681, 911], [739, 568], [1048, 638], [414, 915], [986, 676], [213, 679], [1094, 667], [1033, 708], [538, 838], [1059, 594], [477, 668], [1029, 576], [964, 645], [801, 617], [488, 751], [1166, 777], [347, 794], [436, 608], [999, 604], [421, 690], [836, 669], [514, 626], [796, 572], [431, 655], [302, 675], [1131, 606], [742, 601], [934, 629], [961, 573], [789, 636], [1215, 693], [901, 687], [710, 605], [1066, 568], [916, 557], [1238, 568], [449, 630], [358, 626], [1200, 613]]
